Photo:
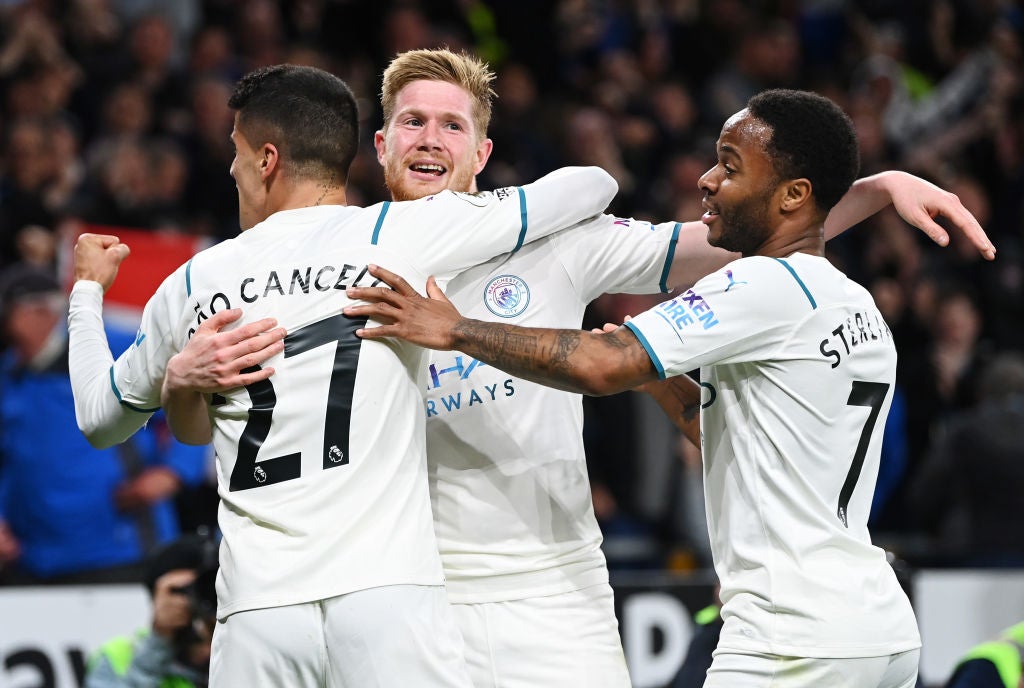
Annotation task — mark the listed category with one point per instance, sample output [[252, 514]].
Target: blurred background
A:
[[114, 113]]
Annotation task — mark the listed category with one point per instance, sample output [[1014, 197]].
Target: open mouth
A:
[[432, 169]]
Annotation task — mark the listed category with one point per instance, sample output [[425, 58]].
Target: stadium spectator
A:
[[174, 650], [52, 482], [967, 491]]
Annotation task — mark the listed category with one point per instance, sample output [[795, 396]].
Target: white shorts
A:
[[393, 636], [739, 670], [570, 639]]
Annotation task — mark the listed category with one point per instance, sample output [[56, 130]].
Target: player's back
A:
[[322, 466]]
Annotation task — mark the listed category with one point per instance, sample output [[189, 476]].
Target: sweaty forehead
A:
[[744, 132], [427, 94]]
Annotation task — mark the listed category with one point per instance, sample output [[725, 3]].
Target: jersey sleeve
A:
[[113, 399], [451, 231], [744, 312], [608, 254]]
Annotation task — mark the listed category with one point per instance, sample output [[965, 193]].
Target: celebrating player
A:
[[512, 507], [329, 568], [798, 367]]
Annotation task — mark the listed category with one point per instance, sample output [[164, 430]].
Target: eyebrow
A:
[[446, 115], [726, 149]]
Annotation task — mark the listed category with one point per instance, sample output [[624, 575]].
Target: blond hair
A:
[[465, 71]]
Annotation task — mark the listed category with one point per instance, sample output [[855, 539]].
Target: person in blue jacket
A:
[[70, 513]]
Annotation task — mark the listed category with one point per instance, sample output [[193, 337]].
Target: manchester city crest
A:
[[507, 296]]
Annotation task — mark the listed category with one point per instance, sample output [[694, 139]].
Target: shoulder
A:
[[769, 288]]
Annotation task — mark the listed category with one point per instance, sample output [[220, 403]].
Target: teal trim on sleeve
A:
[[669, 257], [522, 219], [650, 351], [799, 281], [117, 393], [188, 279], [380, 222]]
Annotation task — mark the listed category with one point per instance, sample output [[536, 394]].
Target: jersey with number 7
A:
[[322, 468], [798, 368]]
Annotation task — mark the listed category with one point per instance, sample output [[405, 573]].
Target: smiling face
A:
[[740, 189], [431, 143]]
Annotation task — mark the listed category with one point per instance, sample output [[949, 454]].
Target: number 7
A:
[[871, 394]]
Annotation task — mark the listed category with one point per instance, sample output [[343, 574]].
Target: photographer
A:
[[175, 651]]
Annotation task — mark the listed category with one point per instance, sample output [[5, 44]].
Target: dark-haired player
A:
[[329, 567]]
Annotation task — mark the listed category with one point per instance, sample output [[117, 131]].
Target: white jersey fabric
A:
[[322, 468], [508, 475], [799, 368]]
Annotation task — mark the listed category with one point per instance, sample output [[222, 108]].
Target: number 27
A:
[[247, 473]]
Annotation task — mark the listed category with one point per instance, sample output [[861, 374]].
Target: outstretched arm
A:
[[917, 201], [571, 360]]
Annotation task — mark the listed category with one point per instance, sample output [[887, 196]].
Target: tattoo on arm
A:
[[541, 355]]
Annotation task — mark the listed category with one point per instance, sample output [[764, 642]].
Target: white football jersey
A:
[[508, 476], [798, 368], [322, 467]]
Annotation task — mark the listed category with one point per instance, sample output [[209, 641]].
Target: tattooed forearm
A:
[[572, 360], [550, 357], [566, 343]]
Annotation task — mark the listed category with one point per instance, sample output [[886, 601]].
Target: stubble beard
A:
[[402, 190], [745, 227]]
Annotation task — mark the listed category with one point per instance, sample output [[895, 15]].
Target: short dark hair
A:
[[309, 114], [811, 138]]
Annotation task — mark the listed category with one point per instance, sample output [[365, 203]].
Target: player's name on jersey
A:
[[855, 332], [287, 282]]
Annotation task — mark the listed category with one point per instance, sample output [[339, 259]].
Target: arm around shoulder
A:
[[568, 195]]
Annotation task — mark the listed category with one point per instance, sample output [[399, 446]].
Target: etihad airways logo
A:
[[459, 391]]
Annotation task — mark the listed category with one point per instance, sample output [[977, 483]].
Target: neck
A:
[[795, 236], [306, 194]]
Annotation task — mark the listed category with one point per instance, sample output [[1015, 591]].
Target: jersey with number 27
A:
[[322, 467], [798, 368]]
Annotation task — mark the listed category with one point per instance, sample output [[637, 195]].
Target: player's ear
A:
[[796, 194], [483, 153], [269, 161], [380, 144]]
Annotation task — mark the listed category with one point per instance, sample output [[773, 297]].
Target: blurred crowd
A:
[[114, 113]]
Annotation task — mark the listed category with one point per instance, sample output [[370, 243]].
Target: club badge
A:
[[507, 296]]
